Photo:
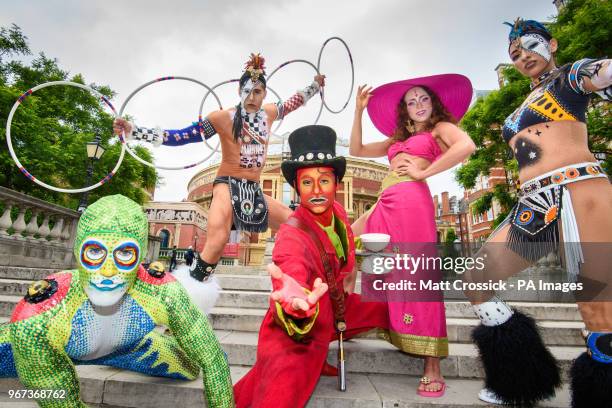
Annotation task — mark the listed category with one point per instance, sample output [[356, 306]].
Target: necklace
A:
[[542, 78]]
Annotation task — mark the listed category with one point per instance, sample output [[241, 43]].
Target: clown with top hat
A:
[[314, 253]]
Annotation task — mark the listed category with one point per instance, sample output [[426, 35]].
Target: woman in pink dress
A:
[[419, 118]]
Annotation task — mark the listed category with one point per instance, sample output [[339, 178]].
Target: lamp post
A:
[[94, 152], [195, 243]]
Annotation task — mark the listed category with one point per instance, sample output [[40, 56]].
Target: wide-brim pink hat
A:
[[454, 91]]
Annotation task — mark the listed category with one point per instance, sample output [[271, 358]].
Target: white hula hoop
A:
[[146, 163], [27, 173], [352, 73], [284, 64]]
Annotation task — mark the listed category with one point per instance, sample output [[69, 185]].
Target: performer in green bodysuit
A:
[[105, 313]]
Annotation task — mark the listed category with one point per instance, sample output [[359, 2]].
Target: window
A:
[[286, 198], [234, 237], [165, 236]]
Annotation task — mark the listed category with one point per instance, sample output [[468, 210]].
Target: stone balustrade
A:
[[44, 245]]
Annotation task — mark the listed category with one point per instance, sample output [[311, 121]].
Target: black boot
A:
[[591, 373], [518, 366]]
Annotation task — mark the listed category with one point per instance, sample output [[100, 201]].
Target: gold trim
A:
[[291, 326], [392, 179], [414, 344]]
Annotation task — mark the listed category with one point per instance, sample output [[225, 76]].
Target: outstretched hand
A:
[[122, 126], [364, 93], [287, 291]]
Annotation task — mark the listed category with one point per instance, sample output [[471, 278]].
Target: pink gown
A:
[[405, 211]]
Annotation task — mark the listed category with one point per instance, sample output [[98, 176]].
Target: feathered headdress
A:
[[255, 66], [522, 27]]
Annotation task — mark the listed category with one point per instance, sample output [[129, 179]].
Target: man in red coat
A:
[[308, 302]]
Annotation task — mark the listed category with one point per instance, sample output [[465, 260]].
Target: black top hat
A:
[[312, 146]]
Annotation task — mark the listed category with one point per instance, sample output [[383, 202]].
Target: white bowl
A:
[[375, 242]]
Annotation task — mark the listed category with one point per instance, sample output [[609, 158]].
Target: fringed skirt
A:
[[534, 220]]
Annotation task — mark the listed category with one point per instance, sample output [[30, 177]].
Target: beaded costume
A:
[[105, 313], [508, 340]]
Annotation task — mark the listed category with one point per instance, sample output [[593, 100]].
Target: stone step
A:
[[7, 304], [365, 355], [12, 290], [14, 287], [106, 387], [19, 272], [540, 311], [254, 287], [241, 270], [554, 333], [25, 273], [245, 282]]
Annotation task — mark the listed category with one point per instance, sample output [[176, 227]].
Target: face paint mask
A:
[[110, 243], [317, 188], [536, 44], [246, 90], [108, 267]]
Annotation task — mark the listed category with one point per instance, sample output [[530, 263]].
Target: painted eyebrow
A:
[[417, 97], [126, 244], [94, 242]]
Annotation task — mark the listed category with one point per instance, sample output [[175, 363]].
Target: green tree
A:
[[51, 127], [581, 29], [451, 236]]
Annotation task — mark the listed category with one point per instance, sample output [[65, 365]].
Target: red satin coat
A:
[[287, 371]]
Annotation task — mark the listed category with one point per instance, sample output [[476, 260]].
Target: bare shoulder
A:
[[441, 128], [271, 111], [221, 119], [448, 133]]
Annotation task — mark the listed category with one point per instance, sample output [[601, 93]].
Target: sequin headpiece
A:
[[522, 27], [255, 67]]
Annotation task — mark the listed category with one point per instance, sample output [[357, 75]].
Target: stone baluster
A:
[[66, 232], [19, 225], [5, 221], [44, 228], [32, 227], [56, 232]]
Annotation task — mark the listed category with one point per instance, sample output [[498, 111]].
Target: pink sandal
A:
[[431, 394]]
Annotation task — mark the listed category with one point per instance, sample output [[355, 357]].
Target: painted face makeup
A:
[[317, 188], [252, 96], [108, 268], [418, 104], [533, 43], [537, 44]]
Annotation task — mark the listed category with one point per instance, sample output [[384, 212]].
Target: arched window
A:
[[165, 236]]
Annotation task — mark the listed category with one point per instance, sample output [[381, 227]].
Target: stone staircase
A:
[[378, 375]]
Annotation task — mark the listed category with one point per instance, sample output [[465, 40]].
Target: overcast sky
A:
[[125, 44]]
